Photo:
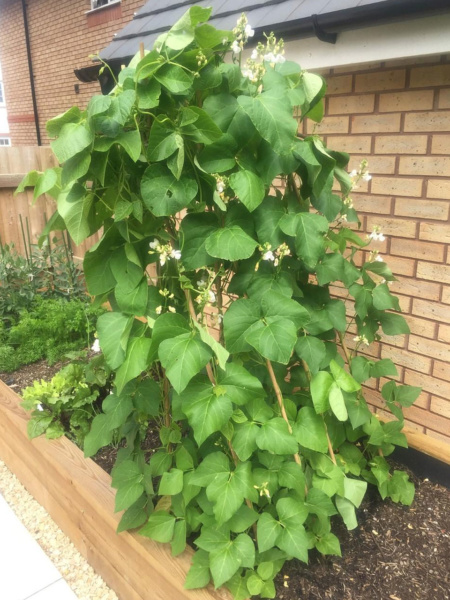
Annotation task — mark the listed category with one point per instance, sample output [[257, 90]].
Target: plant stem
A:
[[344, 348], [330, 446], [279, 396], [219, 299], [166, 406], [212, 379]]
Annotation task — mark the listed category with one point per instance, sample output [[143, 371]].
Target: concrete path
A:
[[26, 572]]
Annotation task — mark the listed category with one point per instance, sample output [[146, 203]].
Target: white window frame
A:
[[7, 141], [2, 94], [95, 4]]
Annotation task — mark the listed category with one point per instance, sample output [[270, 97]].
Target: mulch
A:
[[396, 553]]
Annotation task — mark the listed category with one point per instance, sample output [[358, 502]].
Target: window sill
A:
[[100, 8]]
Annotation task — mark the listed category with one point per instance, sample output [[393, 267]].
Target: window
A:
[[2, 96], [100, 3], [4, 141]]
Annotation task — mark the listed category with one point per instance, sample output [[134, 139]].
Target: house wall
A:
[[62, 37], [397, 115], [4, 127]]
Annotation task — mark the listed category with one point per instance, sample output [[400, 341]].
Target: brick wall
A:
[[397, 115], [62, 37]]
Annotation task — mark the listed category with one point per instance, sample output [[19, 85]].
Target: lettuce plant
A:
[[224, 236]]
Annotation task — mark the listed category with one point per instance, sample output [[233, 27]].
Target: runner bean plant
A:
[[225, 255]]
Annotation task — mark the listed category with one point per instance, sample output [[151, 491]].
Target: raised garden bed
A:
[[397, 552], [77, 494]]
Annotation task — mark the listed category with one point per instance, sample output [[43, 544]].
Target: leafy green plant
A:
[[48, 329], [67, 404], [223, 232], [48, 271]]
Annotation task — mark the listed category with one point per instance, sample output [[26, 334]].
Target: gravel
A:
[[80, 576]]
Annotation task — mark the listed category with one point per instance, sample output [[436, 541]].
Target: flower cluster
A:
[[376, 234], [361, 339], [96, 346], [206, 295], [165, 251], [272, 52], [242, 32], [201, 59], [275, 256], [221, 185], [361, 174], [374, 256]]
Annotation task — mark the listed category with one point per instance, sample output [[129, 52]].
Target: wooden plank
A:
[[428, 445], [77, 494], [11, 180], [15, 162]]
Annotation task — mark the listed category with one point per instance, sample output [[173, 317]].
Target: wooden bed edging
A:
[[77, 494]]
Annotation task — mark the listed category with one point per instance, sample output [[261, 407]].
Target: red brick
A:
[[401, 144], [436, 232], [339, 85], [427, 121], [341, 105], [421, 209], [433, 272], [441, 370], [438, 188], [418, 249], [440, 144], [375, 123], [383, 80], [430, 76], [444, 333], [431, 310], [392, 226], [425, 165], [406, 101], [421, 327], [359, 144], [427, 347], [440, 406], [397, 186]]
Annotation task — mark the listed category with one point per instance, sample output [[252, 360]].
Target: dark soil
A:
[[23, 377], [396, 553]]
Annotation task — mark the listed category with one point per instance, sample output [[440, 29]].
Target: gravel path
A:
[[80, 576]]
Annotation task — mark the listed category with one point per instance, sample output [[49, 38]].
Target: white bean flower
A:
[[96, 346], [171, 309], [176, 254], [254, 54], [211, 296], [40, 408], [366, 177], [377, 235], [249, 32], [361, 339], [269, 57], [153, 245], [158, 310], [235, 47], [268, 255], [379, 258]]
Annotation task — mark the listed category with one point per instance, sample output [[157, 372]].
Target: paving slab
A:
[[25, 570]]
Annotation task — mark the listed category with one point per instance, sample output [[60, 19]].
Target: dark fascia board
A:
[[386, 11]]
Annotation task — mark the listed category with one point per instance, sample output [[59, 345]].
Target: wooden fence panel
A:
[[15, 162]]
